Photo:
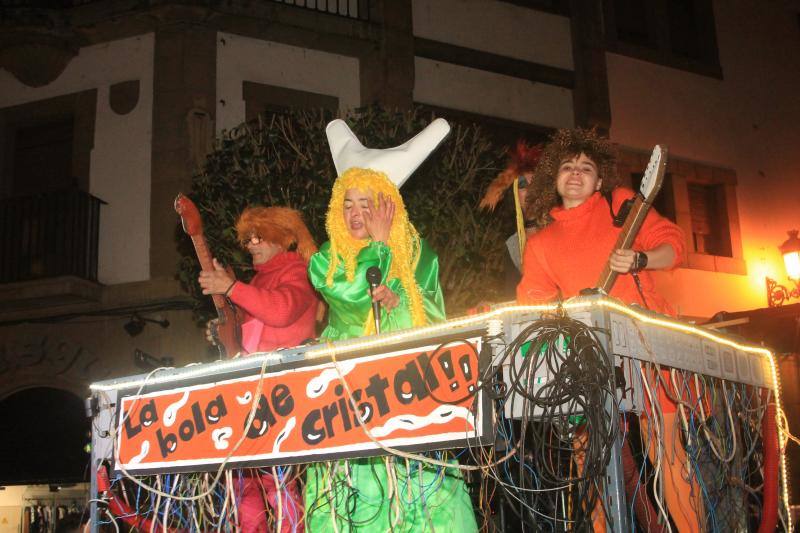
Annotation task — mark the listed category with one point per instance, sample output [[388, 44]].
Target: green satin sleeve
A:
[[349, 302], [427, 275]]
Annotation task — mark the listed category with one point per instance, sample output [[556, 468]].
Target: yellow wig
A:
[[404, 241]]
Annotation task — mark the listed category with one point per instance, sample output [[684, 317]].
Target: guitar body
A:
[[651, 185], [228, 330]]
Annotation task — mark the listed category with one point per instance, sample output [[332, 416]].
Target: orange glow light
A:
[[791, 255], [792, 262]]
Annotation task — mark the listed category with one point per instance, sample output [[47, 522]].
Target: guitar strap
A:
[[618, 219]]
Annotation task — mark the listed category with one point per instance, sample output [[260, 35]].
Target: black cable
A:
[[565, 370], [639, 288]]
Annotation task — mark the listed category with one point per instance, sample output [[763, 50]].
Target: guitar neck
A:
[[651, 184], [625, 240], [206, 263]]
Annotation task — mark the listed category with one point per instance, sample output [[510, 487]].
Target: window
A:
[[710, 223], [261, 98], [632, 19], [701, 199], [502, 131], [42, 157], [558, 7], [675, 33], [51, 224], [46, 145]]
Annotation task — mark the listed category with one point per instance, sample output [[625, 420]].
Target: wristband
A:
[[639, 262], [228, 290]]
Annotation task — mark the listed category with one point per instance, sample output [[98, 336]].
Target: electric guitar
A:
[[651, 185], [228, 329]]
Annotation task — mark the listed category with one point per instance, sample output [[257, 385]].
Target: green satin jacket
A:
[[350, 302], [428, 498]]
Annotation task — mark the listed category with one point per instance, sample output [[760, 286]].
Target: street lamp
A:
[[790, 250]]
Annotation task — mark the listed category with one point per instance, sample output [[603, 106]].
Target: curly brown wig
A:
[[566, 144]]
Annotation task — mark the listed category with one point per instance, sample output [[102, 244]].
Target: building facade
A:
[[107, 107]]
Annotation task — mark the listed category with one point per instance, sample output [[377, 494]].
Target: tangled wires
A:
[[559, 391]]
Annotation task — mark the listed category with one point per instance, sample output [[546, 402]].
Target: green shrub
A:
[[283, 159]]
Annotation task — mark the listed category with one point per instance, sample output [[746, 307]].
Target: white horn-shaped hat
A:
[[397, 163]]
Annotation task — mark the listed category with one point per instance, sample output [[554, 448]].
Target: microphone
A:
[[374, 279]]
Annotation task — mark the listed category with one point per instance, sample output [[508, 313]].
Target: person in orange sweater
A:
[[569, 201]]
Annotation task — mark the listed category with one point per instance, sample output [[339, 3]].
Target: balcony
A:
[[43, 4], [352, 9], [48, 249]]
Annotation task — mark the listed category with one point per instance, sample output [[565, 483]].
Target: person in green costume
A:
[[362, 235], [368, 225]]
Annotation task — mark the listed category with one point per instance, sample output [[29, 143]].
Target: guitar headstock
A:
[[654, 174], [190, 216]]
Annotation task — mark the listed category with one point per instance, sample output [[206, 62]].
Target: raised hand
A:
[[378, 219], [216, 281], [211, 331]]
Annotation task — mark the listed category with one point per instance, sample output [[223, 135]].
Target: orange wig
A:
[[279, 225]]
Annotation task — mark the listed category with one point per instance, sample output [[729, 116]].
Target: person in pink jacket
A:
[[280, 309]]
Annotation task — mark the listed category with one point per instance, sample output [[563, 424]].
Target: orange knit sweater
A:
[[570, 253]]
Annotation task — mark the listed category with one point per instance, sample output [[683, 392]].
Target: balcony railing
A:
[[49, 235], [43, 4], [354, 9]]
